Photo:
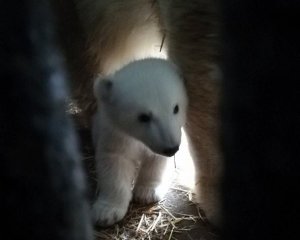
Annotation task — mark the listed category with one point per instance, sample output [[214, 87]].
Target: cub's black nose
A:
[[170, 151]]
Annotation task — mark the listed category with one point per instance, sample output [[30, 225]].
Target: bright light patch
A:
[[184, 164], [180, 169]]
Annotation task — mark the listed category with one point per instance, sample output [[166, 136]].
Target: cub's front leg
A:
[[115, 176], [153, 180]]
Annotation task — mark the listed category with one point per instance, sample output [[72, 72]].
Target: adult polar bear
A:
[[100, 36]]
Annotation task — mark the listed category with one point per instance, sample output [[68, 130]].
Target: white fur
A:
[[122, 142], [131, 30]]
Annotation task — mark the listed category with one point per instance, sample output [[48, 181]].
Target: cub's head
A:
[[146, 100]]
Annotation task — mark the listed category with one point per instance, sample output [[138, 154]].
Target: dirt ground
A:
[[175, 217]]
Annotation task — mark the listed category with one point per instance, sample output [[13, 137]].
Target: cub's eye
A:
[[176, 109], [145, 117]]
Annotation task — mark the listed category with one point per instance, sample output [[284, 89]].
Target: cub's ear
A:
[[103, 89]]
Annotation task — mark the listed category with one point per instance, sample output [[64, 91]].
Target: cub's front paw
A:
[[106, 214], [148, 194]]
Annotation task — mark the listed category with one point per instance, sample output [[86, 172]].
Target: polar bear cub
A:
[[141, 111]]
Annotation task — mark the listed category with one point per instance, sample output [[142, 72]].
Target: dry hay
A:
[[152, 222]]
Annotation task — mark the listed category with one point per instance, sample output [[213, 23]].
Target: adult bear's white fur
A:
[[141, 111]]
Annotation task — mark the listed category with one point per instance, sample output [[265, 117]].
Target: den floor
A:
[[175, 217]]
